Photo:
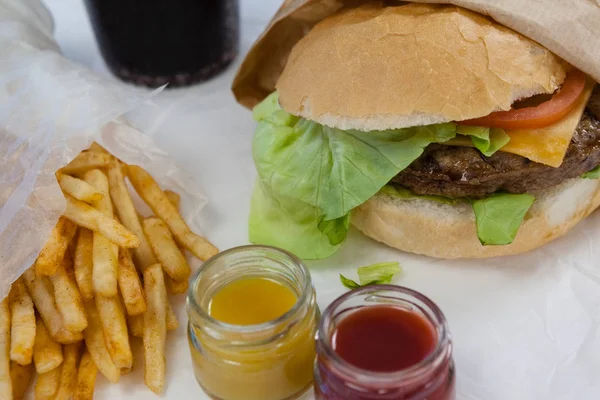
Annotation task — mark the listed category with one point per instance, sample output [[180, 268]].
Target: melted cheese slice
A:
[[543, 145]]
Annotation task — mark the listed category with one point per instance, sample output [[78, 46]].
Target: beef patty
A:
[[455, 171]]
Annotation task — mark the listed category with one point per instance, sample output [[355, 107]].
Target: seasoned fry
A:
[[83, 263], [105, 254], [128, 215], [131, 287], [85, 161], [67, 296], [153, 195], [41, 292], [136, 322], [114, 325], [47, 384], [22, 334], [86, 378], [20, 375], [97, 148], [77, 188], [5, 381], [55, 247], [87, 216], [176, 287], [172, 322], [68, 374], [155, 328], [173, 197], [136, 325], [165, 249], [173, 286], [47, 354], [96, 345]]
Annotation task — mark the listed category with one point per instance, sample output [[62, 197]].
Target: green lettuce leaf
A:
[[291, 225], [330, 169], [486, 140], [592, 174], [381, 272], [499, 217], [404, 193], [376, 274]]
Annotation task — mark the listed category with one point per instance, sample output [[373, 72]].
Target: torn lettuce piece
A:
[[486, 140], [291, 225], [329, 169], [380, 272], [376, 274], [499, 217], [592, 174], [404, 193]]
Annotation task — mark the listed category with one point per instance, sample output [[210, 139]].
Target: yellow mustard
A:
[[252, 323]]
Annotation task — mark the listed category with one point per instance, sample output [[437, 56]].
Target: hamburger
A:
[[430, 128]]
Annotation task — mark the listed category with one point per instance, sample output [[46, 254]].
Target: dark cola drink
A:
[[154, 42]]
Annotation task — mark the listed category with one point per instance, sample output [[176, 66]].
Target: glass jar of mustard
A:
[[252, 323]]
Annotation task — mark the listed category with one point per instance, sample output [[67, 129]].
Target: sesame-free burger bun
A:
[[448, 231], [376, 67]]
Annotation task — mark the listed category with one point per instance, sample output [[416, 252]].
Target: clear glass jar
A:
[[268, 361], [433, 378]]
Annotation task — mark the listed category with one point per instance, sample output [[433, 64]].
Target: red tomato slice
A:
[[547, 113]]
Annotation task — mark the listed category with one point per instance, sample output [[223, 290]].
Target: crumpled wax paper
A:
[[50, 110]]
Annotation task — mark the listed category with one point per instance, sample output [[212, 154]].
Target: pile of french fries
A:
[[101, 278]]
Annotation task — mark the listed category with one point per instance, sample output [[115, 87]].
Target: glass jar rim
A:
[[435, 357], [305, 293]]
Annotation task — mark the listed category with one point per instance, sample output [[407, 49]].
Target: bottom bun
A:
[[448, 231]]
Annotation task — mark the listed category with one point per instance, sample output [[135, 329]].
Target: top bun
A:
[[376, 67]]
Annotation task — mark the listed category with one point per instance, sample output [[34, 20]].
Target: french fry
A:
[[86, 378], [5, 381], [114, 325], [153, 195], [47, 354], [47, 384], [172, 322], [78, 188], [165, 249], [105, 254], [41, 292], [22, 335], [67, 296], [173, 197], [88, 217], [97, 148], [96, 345], [128, 214], [131, 287], [85, 161], [68, 373], [136, 322], [55, 247], [20, 376], [176, 287], [83, 263], [173, 286], [136, 325], [155, 328]]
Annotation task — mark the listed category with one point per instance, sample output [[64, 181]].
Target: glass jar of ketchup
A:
[[384, 342]]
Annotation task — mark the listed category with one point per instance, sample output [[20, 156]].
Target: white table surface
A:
[[524, 327]]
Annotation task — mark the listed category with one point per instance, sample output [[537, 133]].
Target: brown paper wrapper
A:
[[570, 29]]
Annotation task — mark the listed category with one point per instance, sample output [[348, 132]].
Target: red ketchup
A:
[[384, 342]]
